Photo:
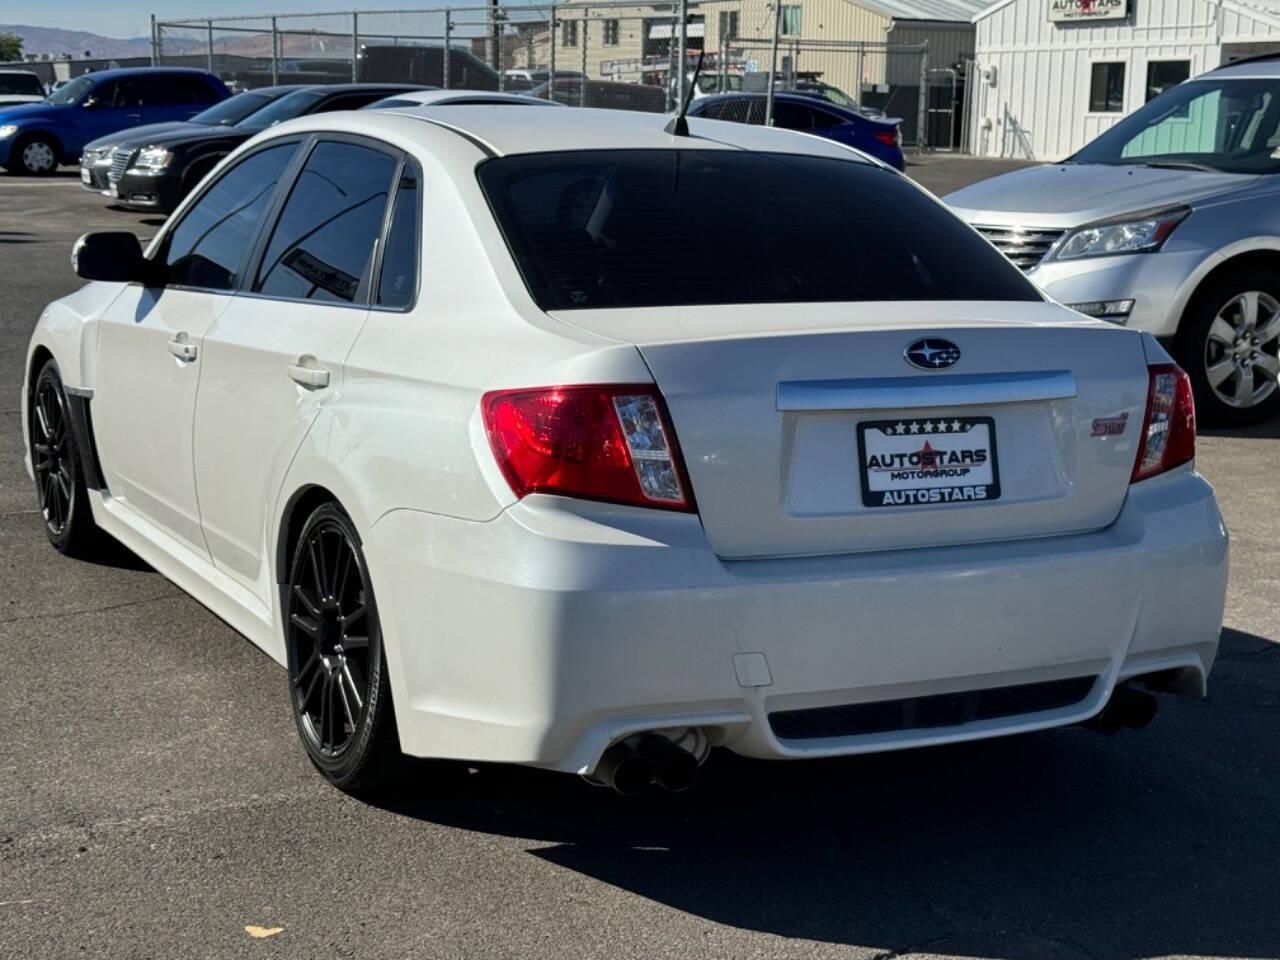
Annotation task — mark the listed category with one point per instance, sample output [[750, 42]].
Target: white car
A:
[[644, 444], [20, 86]]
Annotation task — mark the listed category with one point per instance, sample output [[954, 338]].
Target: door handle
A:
[[182, 348], [307, 373]]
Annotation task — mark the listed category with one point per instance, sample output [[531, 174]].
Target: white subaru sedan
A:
[[552, 437]]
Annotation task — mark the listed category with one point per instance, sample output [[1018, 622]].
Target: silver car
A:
[[1169, 222]]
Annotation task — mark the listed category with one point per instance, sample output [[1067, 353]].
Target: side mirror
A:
[[113, 256]]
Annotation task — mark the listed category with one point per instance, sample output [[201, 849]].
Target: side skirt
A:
[[191, 573]]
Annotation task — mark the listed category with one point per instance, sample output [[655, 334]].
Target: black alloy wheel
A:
[[337, 677], [55, 461]]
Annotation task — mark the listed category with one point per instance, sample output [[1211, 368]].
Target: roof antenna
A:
[[679, 126]]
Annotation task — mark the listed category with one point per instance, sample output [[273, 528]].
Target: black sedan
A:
[[155, 174], [97, 157]]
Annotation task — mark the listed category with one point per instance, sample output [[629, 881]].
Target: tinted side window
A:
[[160, 91], [207, 247], [322, 246], [792, 116], [188, 89], [352, 101], [128, 93], [822, 119], [398, 279]]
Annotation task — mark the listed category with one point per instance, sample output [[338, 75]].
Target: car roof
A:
[[359, 87], [455, 97], [1265, 65], [501, 131], [135, 71]]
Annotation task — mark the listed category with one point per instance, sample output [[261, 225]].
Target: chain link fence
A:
[[600, 54]]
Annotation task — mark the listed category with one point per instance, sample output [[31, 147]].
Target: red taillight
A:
[[611, 443], [1169, 428], [890, 138]]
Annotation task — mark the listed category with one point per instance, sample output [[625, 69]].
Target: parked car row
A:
[[1169, 222], [1190, 177], [152, 168]]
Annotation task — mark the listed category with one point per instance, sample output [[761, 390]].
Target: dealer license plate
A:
[[114, 190], [84, 175], [915, 460]]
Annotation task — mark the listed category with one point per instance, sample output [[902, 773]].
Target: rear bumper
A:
[[546, 634]]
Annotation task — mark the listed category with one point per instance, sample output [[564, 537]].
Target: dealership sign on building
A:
[[1072, 11]]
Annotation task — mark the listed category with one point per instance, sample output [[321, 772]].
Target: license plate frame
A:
[[897, 436]]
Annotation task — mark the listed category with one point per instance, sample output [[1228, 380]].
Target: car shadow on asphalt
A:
[[1061, 843]]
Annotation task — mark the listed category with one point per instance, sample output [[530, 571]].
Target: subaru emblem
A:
[[932, 353]]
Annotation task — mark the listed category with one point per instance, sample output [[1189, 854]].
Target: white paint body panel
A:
[[539, 631]]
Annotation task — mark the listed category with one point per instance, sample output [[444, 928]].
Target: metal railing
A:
[[582, 52]]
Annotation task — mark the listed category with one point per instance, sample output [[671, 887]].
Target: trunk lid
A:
[[782, 410]]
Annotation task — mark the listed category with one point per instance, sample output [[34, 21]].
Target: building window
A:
[[1106, 88], [569, 35], [728, 24], [1164, 75], [611, 33], [791, 15]]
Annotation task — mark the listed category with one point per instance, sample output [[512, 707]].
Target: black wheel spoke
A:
[[301, 594], [309, 626], [341, 570], [355, 681], [340, 683], [326, 695], [355, 616], [358, 642], [317, 674], [317, 567]]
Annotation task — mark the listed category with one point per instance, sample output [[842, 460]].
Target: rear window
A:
[[652, 228], [291, 105], [21, 84], [234, 109]]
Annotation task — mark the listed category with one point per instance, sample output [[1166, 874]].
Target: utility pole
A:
[[773, 61], [682, 57], [495, 32]]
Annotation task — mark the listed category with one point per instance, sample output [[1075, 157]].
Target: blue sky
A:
[[132, 18]]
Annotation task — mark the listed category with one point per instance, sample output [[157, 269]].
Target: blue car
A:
[[35, 138], [881, 139]]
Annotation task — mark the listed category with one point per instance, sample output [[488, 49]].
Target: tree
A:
[[10, 47]]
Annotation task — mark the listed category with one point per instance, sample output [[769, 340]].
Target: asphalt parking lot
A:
[[154, 801]]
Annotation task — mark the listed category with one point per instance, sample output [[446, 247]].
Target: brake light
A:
[[1169, 428], [612, 443], [890, 138]]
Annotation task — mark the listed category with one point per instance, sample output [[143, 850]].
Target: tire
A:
[[35, 155], [1228, 345], [55, 460], [339, 691]]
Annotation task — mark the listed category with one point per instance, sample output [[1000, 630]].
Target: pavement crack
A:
[[79, 613]]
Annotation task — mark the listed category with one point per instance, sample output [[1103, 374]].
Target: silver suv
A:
[[1168, 222]]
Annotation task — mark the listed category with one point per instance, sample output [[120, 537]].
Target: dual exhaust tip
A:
[[631, 765], [1127, 708]]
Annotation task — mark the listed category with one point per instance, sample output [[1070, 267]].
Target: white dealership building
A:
[[1051, 75]]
